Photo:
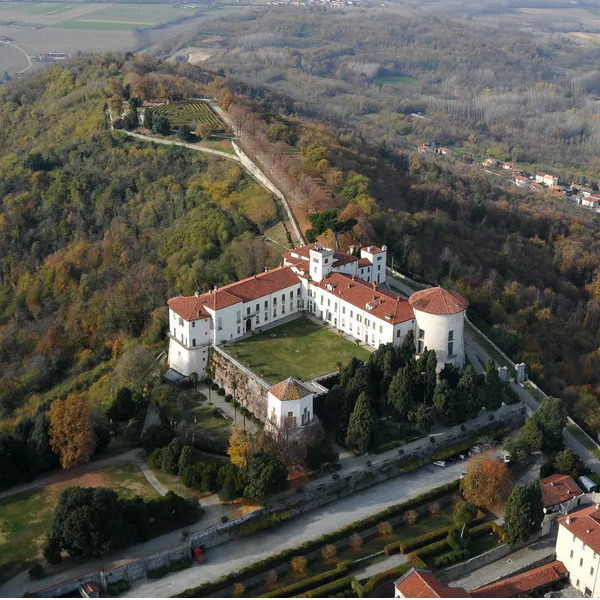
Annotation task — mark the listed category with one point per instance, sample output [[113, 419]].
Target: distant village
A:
[[577, 193]]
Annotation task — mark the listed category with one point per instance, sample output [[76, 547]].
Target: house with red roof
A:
[[290, 405], [578, 548], [422, 583], [345, 291], [560, 493]]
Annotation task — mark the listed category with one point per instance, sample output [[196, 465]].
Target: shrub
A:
[[384, 529], [220, 392], [36, 571], [411, 517], [355, 542], [229, 398], [309, 583], [375, 581], [451, 558], [117, 588], [299, 564], [326, 591], [434, 509], [271, 578], [238, 590], [214, 386], [335, 476], [224, 519], [369, 463], [329, 553]]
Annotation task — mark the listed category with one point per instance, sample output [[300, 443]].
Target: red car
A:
[[199, 555]]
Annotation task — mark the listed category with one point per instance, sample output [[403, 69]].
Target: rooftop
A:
[[585, 525], [557, 489], [523, 583], [290, 389], [422, 583], [438, 301]]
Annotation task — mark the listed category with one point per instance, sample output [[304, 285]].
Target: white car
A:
[[440, 463]]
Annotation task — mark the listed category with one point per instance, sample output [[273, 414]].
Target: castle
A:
[[345, 291]]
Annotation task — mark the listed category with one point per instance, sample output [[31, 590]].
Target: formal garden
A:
[[300, 348], [188, 112]]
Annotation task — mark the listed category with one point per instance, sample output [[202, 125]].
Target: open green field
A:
[[301, 348], [397, 80], [26, 518], [190, 111]]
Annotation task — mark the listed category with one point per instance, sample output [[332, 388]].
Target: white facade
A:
[[289, 414], [442, 333], [580, 559]]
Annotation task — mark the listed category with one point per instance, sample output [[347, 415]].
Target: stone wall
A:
[[251, 389], [294, 505]]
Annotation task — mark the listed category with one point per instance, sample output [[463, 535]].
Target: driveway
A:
[[233, 556]]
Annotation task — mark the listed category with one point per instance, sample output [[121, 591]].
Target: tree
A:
[[266, 475], [430, 376], [362, 425], [239, 447], [467, 393], [444, 403], [328, 219], [567, 462], [334, 401], [170, 456], [204, 130], [184, 133], [400, 393], [194, 378], [131, 120], [530, 437], [451, 374], [231, 482], [493, 387], [14, 460], [552, 418], [71, 431], [148, 117], [524, 512], [123, 406], [161, 125], [40, 448], [487, 482], [423, 417], [464, 513]]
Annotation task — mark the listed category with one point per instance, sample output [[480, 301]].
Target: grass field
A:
[[300, 348], [190, 111], [407, 80], [25, 518]]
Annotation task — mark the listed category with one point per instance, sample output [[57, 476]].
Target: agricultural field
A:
[[189, 111], [25, 518], [397, 80]]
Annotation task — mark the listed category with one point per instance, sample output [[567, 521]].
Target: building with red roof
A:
[[345, 291], [578, 548], [422, 583], [560, 493]]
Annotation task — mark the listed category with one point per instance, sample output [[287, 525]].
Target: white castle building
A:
[[343, 290]]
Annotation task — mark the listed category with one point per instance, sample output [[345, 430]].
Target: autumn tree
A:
[[487, 482], [239, 447], [71, 431]]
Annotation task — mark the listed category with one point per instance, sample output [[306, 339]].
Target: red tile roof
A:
[[386, 305], [373, 250], [290, 389], [438, 301], [364, 262], [245, 290], [523, 583], [558, 488], [189, 308], [302, 255], [584, 524], [421, 583]]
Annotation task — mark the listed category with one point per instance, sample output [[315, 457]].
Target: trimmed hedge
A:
[[451, 558], [285, 555], [487, 527], [329, 588], [299, 587], [172, 567], [378, 579], [117, 588]]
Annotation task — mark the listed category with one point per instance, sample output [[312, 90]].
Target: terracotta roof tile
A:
[[364, 262], [290, 389], [523, 583], [438, 301], [558, 488], [421, 583], [189, 308], [386, 305], [584, 524]]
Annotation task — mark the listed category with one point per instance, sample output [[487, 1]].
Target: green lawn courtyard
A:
[[301, 348]]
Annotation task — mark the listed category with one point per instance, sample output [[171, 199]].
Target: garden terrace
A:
[[301, 349]]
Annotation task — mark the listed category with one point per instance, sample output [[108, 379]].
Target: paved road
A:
[[234, 555]]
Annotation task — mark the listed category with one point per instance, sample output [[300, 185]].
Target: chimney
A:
[[568, 521], [374, 285], [597, 506], [552, 483], [588, 531], [255, 277], [353, 277], [384, 247], [266, 269], [196, 294], [216, 287]]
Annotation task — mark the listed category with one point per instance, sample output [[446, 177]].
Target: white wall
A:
[[437, 328], [580, 564], [281, 409], [187, 361], [378, 271]]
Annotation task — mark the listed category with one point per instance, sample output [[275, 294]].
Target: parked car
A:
[[440, 463]]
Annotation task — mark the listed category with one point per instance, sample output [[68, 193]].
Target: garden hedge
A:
[[320, 579], [378, 579], [277, 559], [329, 588]]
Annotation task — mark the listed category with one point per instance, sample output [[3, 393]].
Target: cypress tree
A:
[[361, 426], [400, 393], [524, 512]]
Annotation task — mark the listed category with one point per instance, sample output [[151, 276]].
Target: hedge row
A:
[[172, 567], [406, 546], [487, 527], [281, 557], [329, 588], [378, 579], [451, 558], [300, 587]]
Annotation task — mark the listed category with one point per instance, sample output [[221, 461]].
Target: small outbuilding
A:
[[560, 494]]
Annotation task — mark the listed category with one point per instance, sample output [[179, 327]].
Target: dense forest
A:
[[486, 90]]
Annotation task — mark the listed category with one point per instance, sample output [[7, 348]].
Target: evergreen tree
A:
[[362, 425], [266, 475], [161, 125], [567, 463], [467, 394], [148, 119], [451, 374], [493, 386], [430, 376], [184, 133], [39, 446], [407, 348], [423, 417], [400, 394], [552, 417], [444, 403], [335, 401], [524, 512]]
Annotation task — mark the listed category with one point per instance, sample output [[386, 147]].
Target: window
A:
[[274, 301], [591, 570], [343, 310], [238, 316], [577, 585], [350, 327], [194, 342], [220, 323], [574, 538], [379, 267], [321, 298], [450, 336], [274, 312], [291, 294], [381, 329], [257, 319], [571, 554], [374, 325], [450, 348], [326, 261], [291, 306], [180, 322], [247, 310], [193, 323], [398, 333], [343, 322], [238, 329], [359, 318], [367, 322], [351, 314], [335, 307], [315, 260], [283, 297], [174, 317], [594, 556], [257, 307], [266, 304], [175, 332], [583, 545], [266, 316], [581, 562], [328, 301], [283, 309]]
